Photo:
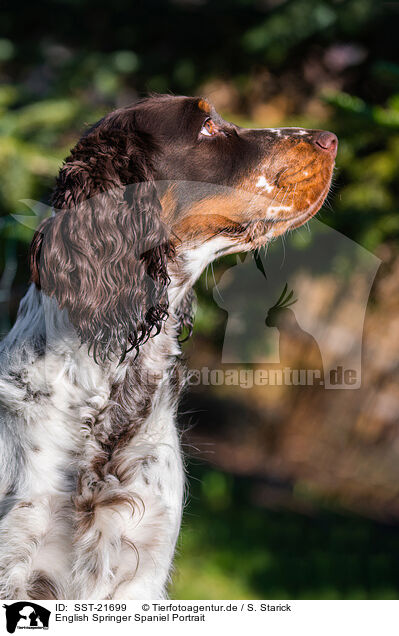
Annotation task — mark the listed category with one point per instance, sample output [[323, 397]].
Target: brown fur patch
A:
[[86, 506], [42, 587], [203, 105], [202, 222], [298, 173], [169, 205]]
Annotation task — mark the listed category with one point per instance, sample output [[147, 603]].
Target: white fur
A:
[[264, 184], [53, 439]]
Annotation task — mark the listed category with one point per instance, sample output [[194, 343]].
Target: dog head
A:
[[167, 180]]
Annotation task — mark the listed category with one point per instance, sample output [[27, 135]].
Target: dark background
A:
[[293, 492]]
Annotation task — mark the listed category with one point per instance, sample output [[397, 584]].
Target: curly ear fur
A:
[[103, 255], [185, 314]]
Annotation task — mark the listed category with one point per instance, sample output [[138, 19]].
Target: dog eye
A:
[[208, 129]]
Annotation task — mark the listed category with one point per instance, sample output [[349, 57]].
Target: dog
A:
[[91, 473]]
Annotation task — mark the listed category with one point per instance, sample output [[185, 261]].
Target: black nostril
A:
[[327, 141]]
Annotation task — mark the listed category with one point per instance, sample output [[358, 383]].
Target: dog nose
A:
[[327, 141]]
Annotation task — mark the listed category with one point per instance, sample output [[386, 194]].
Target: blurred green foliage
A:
[[230, 548], [367, 202]]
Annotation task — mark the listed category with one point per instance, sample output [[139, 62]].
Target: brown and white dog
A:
[[91, 472]]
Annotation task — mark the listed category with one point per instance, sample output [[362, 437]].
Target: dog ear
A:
[[103, 255]]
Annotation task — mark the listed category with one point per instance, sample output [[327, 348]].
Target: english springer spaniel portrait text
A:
[[91, 471]]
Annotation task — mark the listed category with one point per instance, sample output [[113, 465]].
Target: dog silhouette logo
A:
[[26, 615], [281, 317], [300, 304]]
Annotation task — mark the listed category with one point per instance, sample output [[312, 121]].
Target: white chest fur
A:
[[85, 514]]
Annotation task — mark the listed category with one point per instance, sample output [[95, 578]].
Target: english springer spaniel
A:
[[91, 471]]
